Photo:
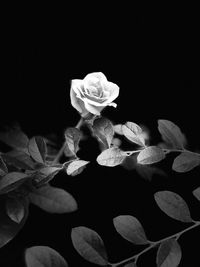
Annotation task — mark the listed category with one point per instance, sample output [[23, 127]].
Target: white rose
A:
[[93, 93]]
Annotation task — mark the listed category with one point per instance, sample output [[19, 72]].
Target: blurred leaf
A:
[[37, 149], [73, 136], [146, 171], [118, 129], [3, 167], [171, 134], [15, 209], [89, 245], [133, 132], [9, 228], [150, 155], [104, 131], [131, 264], [11, 181], [15, 138], [44, 175], [169, 254], [19, 159], [111, 157], [186, 162], [130, 229], [76, 167], [196, 193], [42, 256], [53, 200], [173, 205]]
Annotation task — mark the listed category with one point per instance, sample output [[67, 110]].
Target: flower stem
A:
[[154, 244], [61, 151]]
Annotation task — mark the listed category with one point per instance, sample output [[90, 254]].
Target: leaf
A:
[[9, 228], [118, 129], [89, 245], [53, 200], [111, 157], [196, 193], [19, 159], [150, 155], [3, 167], [130, 229], [15, 138], [73, 136], [11, 181], [76, 166], [42, 256], [131, 264], [171, 134], [133, 132], [15, 209], [173, 205], [186, 162], [104, 131], [169, 254], [37, 149], [44, 175]]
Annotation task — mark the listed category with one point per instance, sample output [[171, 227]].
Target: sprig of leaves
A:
[[91, 247]]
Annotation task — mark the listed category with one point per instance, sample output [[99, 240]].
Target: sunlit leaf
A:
[[118, 129], [169, 254], [131, 229], [19, 159], [150, 155], [171, 134], [42, 256], [9, 228], [53, 200], [133, 132], [196, 193], [12, 181], [3, 167], [37, 149], [76, 166], [15, 138], [72, 137], [15, 209], [186, 162], [111, 157], [89, 245], [104, 131], [173, 205]]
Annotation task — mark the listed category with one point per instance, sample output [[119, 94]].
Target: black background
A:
[[154, 60]]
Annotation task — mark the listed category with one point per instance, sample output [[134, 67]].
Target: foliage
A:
[[28, 168]]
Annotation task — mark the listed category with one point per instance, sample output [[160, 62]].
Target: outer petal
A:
[[93, 109], [77, 103], [114, 90], [76, 85], [98, 75]]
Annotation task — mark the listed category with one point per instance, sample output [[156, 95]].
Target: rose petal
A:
[[114, 92], [93, 109], [77, 103], [77, 85], [112, 104], [98, 75]]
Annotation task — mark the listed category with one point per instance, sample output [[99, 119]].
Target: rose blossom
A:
[[93, 93]]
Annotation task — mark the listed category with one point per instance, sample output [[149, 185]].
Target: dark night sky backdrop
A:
[[154, 61]]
